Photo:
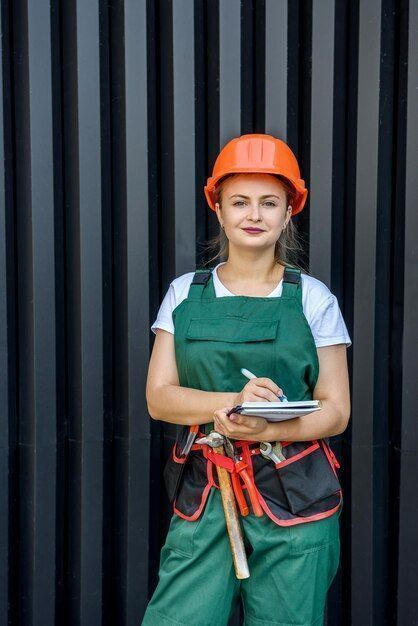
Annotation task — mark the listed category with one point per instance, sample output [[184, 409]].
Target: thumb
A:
[[239, 419], [243, 420]]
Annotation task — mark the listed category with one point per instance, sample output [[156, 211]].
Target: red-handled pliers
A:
[[240, 468], [239, 494]]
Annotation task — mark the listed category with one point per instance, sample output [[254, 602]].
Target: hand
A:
[[259, 390], [237, 426]]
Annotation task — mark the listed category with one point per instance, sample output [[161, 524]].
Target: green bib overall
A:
[[293, 550]]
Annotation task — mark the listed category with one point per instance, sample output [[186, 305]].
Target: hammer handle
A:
[[232, 520]]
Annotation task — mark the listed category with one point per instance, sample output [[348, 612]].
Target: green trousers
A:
[[291, 570]]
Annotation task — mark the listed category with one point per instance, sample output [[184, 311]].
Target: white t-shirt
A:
[[320, 307]]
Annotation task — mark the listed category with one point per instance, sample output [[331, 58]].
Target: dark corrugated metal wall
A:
[[113, 113]]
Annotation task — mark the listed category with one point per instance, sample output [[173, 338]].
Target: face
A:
[[253, 201]]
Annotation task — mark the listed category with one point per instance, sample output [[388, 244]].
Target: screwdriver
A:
[[190, 439]]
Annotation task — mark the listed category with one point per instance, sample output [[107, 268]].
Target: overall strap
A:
[[202, 285], [292, 284]]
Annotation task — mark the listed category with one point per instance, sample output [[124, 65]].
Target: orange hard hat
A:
[[257, 153]]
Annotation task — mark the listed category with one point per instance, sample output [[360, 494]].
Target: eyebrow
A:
[[269, 195]]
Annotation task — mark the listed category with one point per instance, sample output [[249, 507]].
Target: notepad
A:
[[277, 411]]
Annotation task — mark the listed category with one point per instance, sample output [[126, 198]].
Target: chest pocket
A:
[[225, 344], [232, 329]]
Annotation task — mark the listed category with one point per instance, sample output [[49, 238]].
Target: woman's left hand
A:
[[246, 427]]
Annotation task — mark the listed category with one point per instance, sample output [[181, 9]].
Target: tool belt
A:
[[304, 487]]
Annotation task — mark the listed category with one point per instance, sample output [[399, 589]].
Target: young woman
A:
[[258, 311]]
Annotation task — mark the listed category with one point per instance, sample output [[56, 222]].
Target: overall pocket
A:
[[180, 536], [225, 344], [313, 536], [306, 475]]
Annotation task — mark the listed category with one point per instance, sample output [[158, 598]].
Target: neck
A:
[[248, 267]]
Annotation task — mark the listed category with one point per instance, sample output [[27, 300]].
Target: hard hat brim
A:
[[297, 184]]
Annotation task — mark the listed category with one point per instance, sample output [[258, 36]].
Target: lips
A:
[[254, 230]]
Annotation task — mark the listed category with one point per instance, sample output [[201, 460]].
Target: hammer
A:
[[215, 440]]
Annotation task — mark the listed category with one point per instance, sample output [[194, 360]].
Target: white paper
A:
[[278, 411]]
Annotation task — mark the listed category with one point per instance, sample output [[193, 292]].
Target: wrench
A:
[[277, 449], [267, 451]]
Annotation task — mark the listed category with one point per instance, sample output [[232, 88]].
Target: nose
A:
[[254, 213]]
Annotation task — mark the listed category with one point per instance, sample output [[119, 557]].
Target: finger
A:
[[262, 393], [218, 426], [269, 384], [244, 421], [237, 418], [247, 421], [226, 423], [223, 411], [221, 415]]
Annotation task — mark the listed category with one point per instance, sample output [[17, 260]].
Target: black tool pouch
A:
[[194, 488], [306, 476], [304, 485], [188, 479], [174, 467]]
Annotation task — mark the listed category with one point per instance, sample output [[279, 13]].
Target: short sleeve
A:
[[327, 324], [164, 317]]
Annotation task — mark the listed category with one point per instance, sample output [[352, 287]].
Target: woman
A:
[[257, 311]]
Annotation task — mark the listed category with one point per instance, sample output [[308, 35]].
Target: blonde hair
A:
[[288, 246]]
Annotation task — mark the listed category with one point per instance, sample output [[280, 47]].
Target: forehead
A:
[[248, 184]]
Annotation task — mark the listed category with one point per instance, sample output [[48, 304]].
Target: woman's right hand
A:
[[259, 390]]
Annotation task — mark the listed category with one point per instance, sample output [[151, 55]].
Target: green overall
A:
[[291, 566]]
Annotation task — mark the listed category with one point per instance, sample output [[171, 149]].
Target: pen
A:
[[250, 375]]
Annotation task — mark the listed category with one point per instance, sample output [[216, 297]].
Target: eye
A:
[[268, 202]]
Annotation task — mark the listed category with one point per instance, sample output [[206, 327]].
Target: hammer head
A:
[[213, 440]]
